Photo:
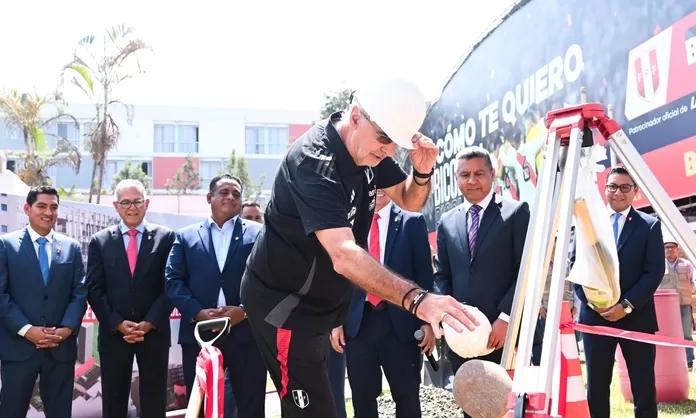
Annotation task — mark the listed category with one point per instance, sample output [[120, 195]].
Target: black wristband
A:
[[417, 303], [421, 184], [403, 300], [421, 175]]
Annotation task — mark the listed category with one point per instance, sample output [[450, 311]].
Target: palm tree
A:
[[23, 111], [97, 76]]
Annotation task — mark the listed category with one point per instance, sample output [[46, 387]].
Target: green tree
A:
[[237, 166], [133, 172], [186, 179], [24, 113], [97, 69], [335, 101], [70, 194]]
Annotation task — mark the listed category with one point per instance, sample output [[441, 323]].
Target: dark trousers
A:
[[116, 377], [640, 364], [298, 364], [230, 403], [377, 347], [247, 372], [494, 357], [55, 387], [337, 377]]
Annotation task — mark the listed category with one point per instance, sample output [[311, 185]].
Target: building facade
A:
[[158, 138]]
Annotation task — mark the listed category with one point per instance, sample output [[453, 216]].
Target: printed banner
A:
[[80, 221], [638, 57]]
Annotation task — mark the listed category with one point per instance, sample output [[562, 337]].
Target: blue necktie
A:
[[616, 227], [43, 258]]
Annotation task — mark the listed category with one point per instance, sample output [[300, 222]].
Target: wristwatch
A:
[[627, 307]]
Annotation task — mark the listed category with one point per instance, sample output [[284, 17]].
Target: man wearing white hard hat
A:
[[681, 272], [300, 274]]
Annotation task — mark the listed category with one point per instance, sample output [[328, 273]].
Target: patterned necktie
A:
[[43, 258], [132, 251], [374, 252], [473, 231], [617, 216]]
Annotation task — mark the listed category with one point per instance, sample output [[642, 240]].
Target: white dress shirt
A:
[[622, 218], [483, 204], [222, 237], [49, 252]]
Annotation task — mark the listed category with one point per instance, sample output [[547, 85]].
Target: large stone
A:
[[481, 389], [470, 344]]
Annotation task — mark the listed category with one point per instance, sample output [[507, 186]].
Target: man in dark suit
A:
[[204, 272], [42, 303], [479, 248], [641, 267], [125, 279], [379, 334]]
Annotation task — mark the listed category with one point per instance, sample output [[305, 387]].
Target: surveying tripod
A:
[[569, 133]]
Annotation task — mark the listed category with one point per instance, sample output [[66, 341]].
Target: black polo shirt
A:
[[290, 280]]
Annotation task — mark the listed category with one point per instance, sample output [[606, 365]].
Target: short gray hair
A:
[[128, 183], [469, 153]]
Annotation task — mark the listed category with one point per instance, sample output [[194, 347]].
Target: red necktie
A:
[[132, 251], [375, 252]]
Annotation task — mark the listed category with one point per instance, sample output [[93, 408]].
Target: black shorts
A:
[[298, 365]]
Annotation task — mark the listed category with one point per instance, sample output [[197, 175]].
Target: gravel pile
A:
[[435, 403]]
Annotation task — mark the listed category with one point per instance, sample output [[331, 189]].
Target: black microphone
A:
[[419, 335]]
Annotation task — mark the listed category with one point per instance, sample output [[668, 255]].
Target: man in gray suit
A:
[[479, 248]]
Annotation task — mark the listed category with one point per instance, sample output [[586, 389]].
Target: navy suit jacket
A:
[[406, 253], [25, 299], [115, 295], [487, 280], [193, 278], [641, 268]]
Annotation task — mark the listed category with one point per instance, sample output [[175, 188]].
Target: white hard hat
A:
[[667, 237], [396, 105]]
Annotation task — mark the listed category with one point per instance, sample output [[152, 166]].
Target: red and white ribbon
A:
[[631, 335], [211, 379]]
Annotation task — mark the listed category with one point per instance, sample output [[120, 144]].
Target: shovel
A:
[[221, 324]]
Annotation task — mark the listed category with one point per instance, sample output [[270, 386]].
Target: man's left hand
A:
[[498, 334], [424, 155], [63, 333], [235, 313], [145, 327], [614, 313]]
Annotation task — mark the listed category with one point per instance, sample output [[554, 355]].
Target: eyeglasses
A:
[[625, 188], [670, 247], [126, 204], [382, 138]]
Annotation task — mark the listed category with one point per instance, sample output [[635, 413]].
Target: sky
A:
[[248, 54]]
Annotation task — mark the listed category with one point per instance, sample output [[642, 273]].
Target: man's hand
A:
[[497, 338], [338, 339], [43, 337], [542, 312], [131, 333], [428, 344], [145, 327], [424, 155], [573, 311], [235, 313], [437, 308], [614, 313], [207, 314]]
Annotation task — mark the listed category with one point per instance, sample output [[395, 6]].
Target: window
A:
[[267, 139], [3, 228], [71, 132], [3, 207], [181, 138], [208, 170]]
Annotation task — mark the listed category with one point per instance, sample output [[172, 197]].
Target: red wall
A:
[[164, 168], [297, 130]]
